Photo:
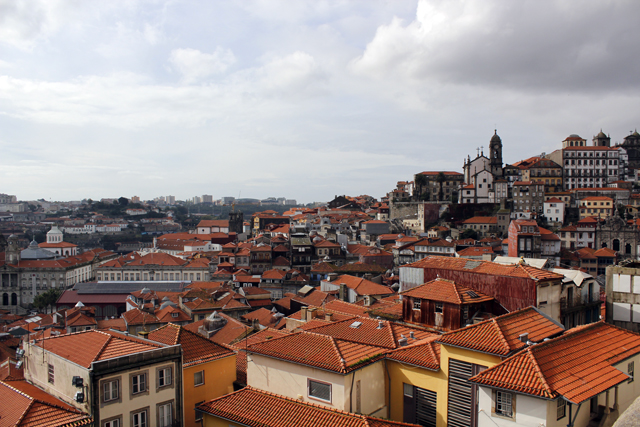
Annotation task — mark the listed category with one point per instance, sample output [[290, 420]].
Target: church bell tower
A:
[[495, 155]]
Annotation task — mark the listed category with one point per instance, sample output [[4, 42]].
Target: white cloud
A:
[[196, 66]]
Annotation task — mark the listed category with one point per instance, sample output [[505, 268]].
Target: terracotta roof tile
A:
[[362, 286], [27, 406], [196, 349], [424, 353], [577, 365], [447, 291], [89, 346], [257, 408], [319, 351], [500, 335]]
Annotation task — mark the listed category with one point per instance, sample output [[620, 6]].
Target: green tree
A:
[[441, 179], [469, 234], [123, 201], [420, 181], [46, 299]]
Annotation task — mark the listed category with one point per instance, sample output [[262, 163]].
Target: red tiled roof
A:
[[485, 267], [365, 330], [256, 408], [475, 251], [139, 317], [25, 405], [447, 291], [319, 351], [482, 220], [90, 346], [577, 365], [500, 335], [424, 353], [196, 349], [362, 286]]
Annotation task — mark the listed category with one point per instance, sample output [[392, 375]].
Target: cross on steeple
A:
[[482, 149], [477, 152]]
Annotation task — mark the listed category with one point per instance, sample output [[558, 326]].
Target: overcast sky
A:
[[298, 99]]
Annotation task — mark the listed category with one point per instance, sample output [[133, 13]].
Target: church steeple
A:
[[495, 155]]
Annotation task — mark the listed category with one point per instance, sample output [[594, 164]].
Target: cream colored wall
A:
[[529, 411], [37, 371], [290, 379], [551, 294], [130, 404], [373, 388], [401, 373]]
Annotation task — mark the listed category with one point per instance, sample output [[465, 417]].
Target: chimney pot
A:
[[524, 337]]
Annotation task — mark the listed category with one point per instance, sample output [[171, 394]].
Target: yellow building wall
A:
[[475, 357], [400, 374], [211, 421], [219, 376]]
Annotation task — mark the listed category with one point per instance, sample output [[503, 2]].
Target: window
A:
[[320, 390], [51, 374], [417, 303], [504, 404], [110, 390], [561, 409], [198, 378], [438, 307], [165, 418], [138, 383], [139, 419], [630, 369], [164, 377], [198, 413], [113, 422]]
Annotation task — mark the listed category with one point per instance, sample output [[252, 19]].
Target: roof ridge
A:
[[501, 334], [343, 361], [104, 346], [539, 371]]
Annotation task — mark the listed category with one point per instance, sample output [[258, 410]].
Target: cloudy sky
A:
[[300, 99]]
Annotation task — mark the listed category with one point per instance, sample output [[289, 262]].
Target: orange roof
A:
[[232, 329], [214, 223], [362, 286], [605, 252], [447, 291], [57, 245], [482, 220], [424, 353], [475, 251], [257, 408], [139, 317], [577, 365], [319, 351], [597, 198], [365, 330], [554, 200], [500, 335], [86, 347], [196, 349], [485, 267], [26, 405]]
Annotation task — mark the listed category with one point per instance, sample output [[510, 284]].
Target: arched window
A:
[[5, 299], [14, 299], [615, 245], [627, 249]]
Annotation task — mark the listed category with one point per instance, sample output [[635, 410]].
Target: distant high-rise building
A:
[[171, 200], [197, 200], [207, 198], [135, 199]]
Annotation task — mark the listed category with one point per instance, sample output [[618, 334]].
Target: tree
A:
[[441, 179], [47, 299], [469, 234], [420, 181], [123, 201]]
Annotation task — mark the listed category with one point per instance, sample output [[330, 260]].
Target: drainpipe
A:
[[353, 377], [571, 422]]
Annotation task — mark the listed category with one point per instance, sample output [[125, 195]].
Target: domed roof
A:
[[601, 134], [54, 230], [35, 252], [574, 135], [495, 137]]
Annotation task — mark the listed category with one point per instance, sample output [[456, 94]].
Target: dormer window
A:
[[174, 314]]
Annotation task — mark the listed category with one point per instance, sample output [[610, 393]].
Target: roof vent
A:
[[79, 304], [412, 335], [380, 324], [524, 337], [355, 325], [403, 341]]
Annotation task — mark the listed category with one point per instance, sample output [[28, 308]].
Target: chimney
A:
[[412, 335], [343, 291], [380, 324], [524, 337], [303, 314], [327, 316], [310, 314], [402, 342]]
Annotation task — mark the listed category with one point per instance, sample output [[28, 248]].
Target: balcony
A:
[[577, 303]]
